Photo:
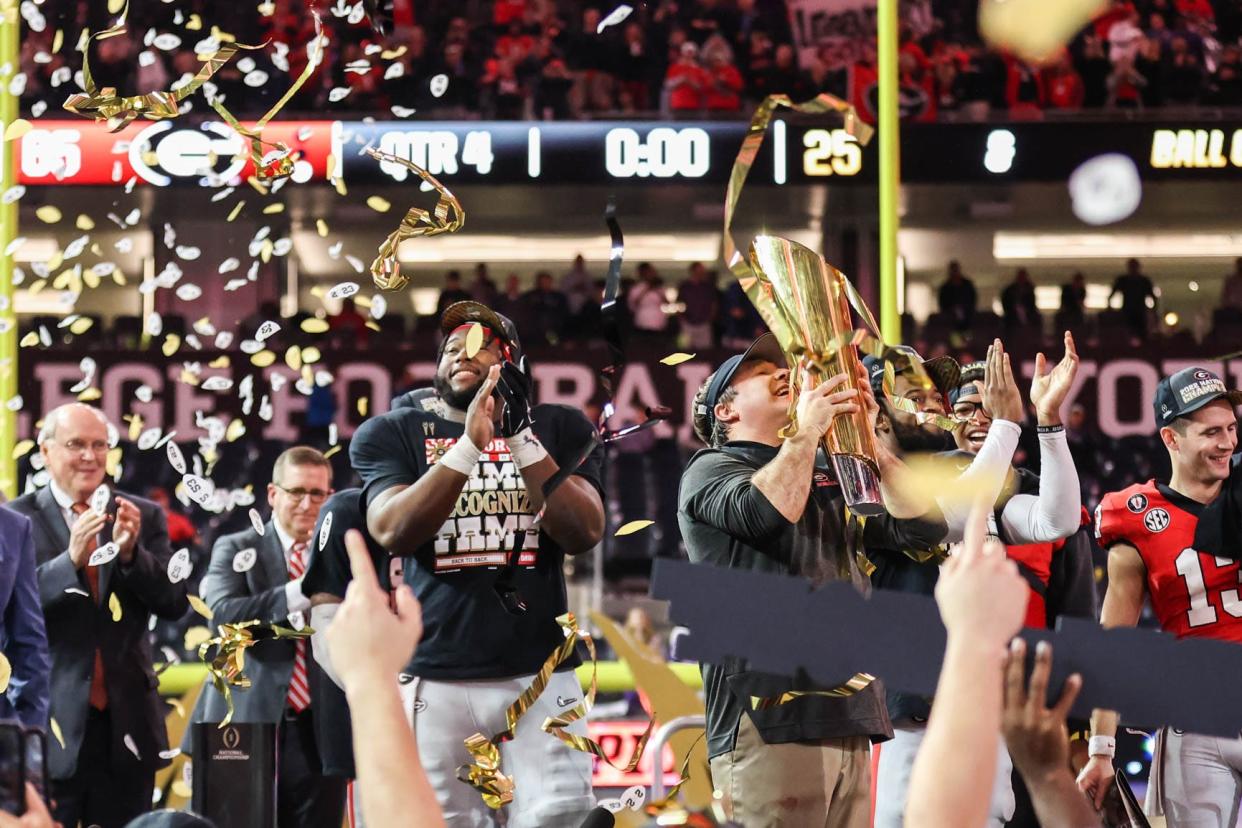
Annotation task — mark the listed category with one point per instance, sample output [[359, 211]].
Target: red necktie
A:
[[299, 687], [99, 689]]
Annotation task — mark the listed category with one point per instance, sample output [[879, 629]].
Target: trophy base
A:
[[860, 484]]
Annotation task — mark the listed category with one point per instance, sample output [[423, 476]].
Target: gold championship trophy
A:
[[806, 303], [803, 300]]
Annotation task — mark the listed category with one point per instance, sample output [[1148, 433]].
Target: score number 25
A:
[[830, 152]]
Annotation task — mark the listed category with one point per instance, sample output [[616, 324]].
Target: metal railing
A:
[[656, 748]]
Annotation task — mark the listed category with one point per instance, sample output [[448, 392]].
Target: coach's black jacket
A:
[[728, 522]]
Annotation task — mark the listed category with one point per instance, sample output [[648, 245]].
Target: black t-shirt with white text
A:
[[467, 633]]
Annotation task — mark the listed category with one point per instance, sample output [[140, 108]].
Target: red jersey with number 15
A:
[[1193, 592]]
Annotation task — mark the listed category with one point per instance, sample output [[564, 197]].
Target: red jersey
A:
[[1193, 592]]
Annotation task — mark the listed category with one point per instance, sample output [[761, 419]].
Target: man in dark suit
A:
[[102, 570], [259, 576], [21, 625]]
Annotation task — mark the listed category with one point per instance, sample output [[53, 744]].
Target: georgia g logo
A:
[[1156, 521]]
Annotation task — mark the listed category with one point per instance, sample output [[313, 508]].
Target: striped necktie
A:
[[299, 687]]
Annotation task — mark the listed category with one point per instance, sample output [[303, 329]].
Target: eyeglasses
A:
[[79, 446], [967, 410], [316, 496]]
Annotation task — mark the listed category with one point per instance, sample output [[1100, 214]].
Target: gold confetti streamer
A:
[[272, 209], [229, 661], [314, 325], [22, 448], [446, 217], [632, 527], [114, 606], [60, 737], [321, 227], [279, 160], [105, 105], [237, 208]]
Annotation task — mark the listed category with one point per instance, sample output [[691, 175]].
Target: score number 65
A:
[[830, 152]]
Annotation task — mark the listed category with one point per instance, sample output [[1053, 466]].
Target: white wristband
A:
[[1102, 746], [526, 448], [463, 457]]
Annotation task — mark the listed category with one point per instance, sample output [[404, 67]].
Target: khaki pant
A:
[[795, 785]]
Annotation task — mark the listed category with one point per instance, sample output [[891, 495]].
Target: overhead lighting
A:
[[44, 302], [1008, 246], [39, 249]]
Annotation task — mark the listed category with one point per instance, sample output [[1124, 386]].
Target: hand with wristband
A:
[[1049, 388]]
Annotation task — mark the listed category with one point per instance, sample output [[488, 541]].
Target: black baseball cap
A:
[[764, 348], [468, 312], [944, 371], [1189, 390], [970, 381]]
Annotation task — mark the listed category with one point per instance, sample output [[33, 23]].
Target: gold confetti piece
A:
[[181, 789], [105, 105], [48, 213], [188, 377], [135, 426], [31, 338], [272, 209], [38, 286], [60, 737], [200, 606], [362, 406], [310, 355], [446, 217], [90, 395], [81, 325], [237, 208], [392, 54], [379, 204], [195, 23], [1035, 30], [114, 606], [195, 636], [115, 6], [474, 340], [339, 184], [265, 252], [632, 527], [84, 222], [293, 357], [22, 448], [177, 705], [171, 343], [317, 291], [119, 277], [235, 430], [16, 129], [113, 460], [91, 278], [279, 160], [263, 358], [321, 227], [677, 359], [6, 672], [221, 361], [331, 451], [58, 40], [373, 325], [314, 325]]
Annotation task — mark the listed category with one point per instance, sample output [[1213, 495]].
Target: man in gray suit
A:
[[259, 576], [102, 561]]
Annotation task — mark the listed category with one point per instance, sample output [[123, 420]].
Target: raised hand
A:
[[480, 416], [1001, 398], [1049, 388]]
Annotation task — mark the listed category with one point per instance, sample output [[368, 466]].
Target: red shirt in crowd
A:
[[690, 93], [724, 88]]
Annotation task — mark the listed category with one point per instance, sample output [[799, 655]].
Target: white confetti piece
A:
[[1106, 189], [244, 560], [255, 79], [297, 620], [266, 331], [228, 265], [77, 591], [133, 748], [354, 262], [282, 246], [189, 292], [146, 58], [343, 290], [250, 346], [199, 489], [394, 70], [439, 85], [175, 457], [325, 531], [171, 753], [246, 64], [217, 384], [14, 404], [148, 438], [188, 252], [179, 566], [402, 111], [614, 17], [234, 284], [224, 339], [98, 501], [256, 520], [379, 306], [338, 93], [155, 323], [144, 393], [12, 194], [104, 554]]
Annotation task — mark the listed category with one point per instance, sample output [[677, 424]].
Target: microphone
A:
[[599, 818]]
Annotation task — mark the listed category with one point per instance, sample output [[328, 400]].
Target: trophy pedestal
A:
[[860, 484]]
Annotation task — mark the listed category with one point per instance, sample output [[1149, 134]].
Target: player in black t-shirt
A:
[[453, 484]]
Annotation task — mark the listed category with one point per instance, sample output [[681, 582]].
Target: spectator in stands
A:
[[590, 59], [1062, 85], [1095, 69], [1084, 447], [1136, 291], [1024, 91], [504, 95], [1073, 301], [1149, 69], [1018, 302], [1231, 291], [554, 83], [782, 76], [687, 82], [958, 298], [635, 67], [724, 90], [700, 301], [576, 284], [757, 58], [451, 292], [1226, 84], [646, 302], [350, 325], [1185, 73], [181, 531], [547, 310], [510, 302], [483, 289], [742, 323]]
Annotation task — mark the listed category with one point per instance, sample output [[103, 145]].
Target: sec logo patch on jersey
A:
[[1156, 521], [1137, 503]]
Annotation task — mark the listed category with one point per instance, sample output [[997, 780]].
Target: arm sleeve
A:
[[717, 491], [57, 576], [888, 532], [228, 594], [30, 685], [147, 574], [990, 466], [1111, 526], [379, 459], [1057, 512]]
